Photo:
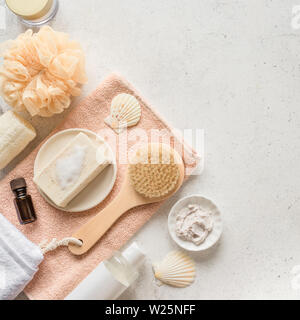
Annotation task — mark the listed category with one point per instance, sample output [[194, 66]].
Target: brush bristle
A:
[[153, 171]]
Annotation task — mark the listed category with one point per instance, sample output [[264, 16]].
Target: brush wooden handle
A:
[[95, 228], [128, 198]]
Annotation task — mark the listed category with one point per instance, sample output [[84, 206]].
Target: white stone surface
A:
[[232, 68]]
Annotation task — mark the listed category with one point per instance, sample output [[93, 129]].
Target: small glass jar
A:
[[121, 269], [33, 13]]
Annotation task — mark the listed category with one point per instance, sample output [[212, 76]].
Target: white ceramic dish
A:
[[212, 237], [97, 190]]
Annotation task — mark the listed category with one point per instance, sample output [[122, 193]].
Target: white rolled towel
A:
[[19, 260]]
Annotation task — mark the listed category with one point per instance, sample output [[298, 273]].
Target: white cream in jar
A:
[[194, 223]]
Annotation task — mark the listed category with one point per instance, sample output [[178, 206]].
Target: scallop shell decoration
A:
[[125, 112], [177, 270]]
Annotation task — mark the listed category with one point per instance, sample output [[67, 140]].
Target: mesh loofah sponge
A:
[[41, 71], [153, 171]]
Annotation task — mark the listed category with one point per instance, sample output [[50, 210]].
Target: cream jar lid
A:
[[31, 9]]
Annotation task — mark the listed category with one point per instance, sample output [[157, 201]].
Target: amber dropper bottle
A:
[[23, 201]]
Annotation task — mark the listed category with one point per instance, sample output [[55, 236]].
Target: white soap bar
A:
[[15, 134], [72, 169]]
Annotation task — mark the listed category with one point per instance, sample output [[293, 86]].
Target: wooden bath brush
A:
[[154, 174]]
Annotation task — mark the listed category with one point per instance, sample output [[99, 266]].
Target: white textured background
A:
[[232, 68]]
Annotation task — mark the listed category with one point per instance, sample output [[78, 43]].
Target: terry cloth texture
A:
[[19, 260]]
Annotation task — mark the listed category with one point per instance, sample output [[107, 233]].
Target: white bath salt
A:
[[194, 223], [68, 169]]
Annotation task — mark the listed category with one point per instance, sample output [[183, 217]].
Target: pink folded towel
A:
[[61, 271]]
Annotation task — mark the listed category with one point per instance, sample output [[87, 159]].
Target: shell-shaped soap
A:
[[176, 269], [125, 112]]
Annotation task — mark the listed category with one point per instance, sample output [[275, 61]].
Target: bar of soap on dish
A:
[[15, 135], [72, 169]]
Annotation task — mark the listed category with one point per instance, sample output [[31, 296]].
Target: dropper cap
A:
[[134, 255], [17, 184]]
